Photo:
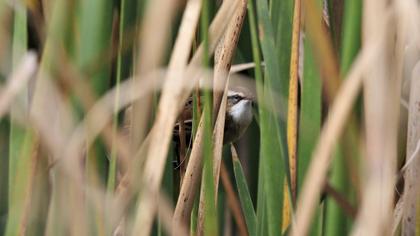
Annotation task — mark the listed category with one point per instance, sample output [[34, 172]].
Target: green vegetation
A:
[[90, 93]]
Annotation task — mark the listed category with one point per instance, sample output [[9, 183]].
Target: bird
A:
[[239, 115]]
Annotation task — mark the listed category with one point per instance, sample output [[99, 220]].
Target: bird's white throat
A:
[[241, 112]]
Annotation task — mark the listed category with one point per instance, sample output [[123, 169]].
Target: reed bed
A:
[[90, 92]]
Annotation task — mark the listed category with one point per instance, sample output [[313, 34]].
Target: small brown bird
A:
[[238, 116]]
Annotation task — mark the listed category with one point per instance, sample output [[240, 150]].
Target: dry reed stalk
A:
[[125, 193], [333, 127], [179, 60], [381, 103], [58, 144], [398, 211], [218, 134], [227, 50], [173, 97], [409, 38], [128, 186], [47, 7], [17, 81], [154, 34], [409, 13], [410, 197], [192, 176], [30, 187], [221, 72], [6, 17], [243, 66], [165, 213], [101, 113], [292, 117], [292, 114], [40, 118], [50, 117]]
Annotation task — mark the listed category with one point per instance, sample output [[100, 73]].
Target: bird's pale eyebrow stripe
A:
[[232, 93]]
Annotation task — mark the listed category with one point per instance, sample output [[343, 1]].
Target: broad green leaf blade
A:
[[17, 133], [283, 43], [95, 24], [351, 33], [20, 141], [310, 121], [244, 195], [310, 113]]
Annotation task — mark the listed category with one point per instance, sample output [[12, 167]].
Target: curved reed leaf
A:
[[244, 195]]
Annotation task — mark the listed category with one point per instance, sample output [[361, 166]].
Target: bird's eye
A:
[[237, 98]]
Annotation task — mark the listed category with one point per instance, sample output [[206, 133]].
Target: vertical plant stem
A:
[[150, 55], [292, 118], [310, 117], [207, 213], [20, 138], [262, 224], [381, 100], [411, 204]]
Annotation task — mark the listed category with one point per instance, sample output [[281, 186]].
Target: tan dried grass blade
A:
[[381, 103], [408, 205], [17, 81], [292, 118], [221, 72], [411, 173], [154, 35]]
